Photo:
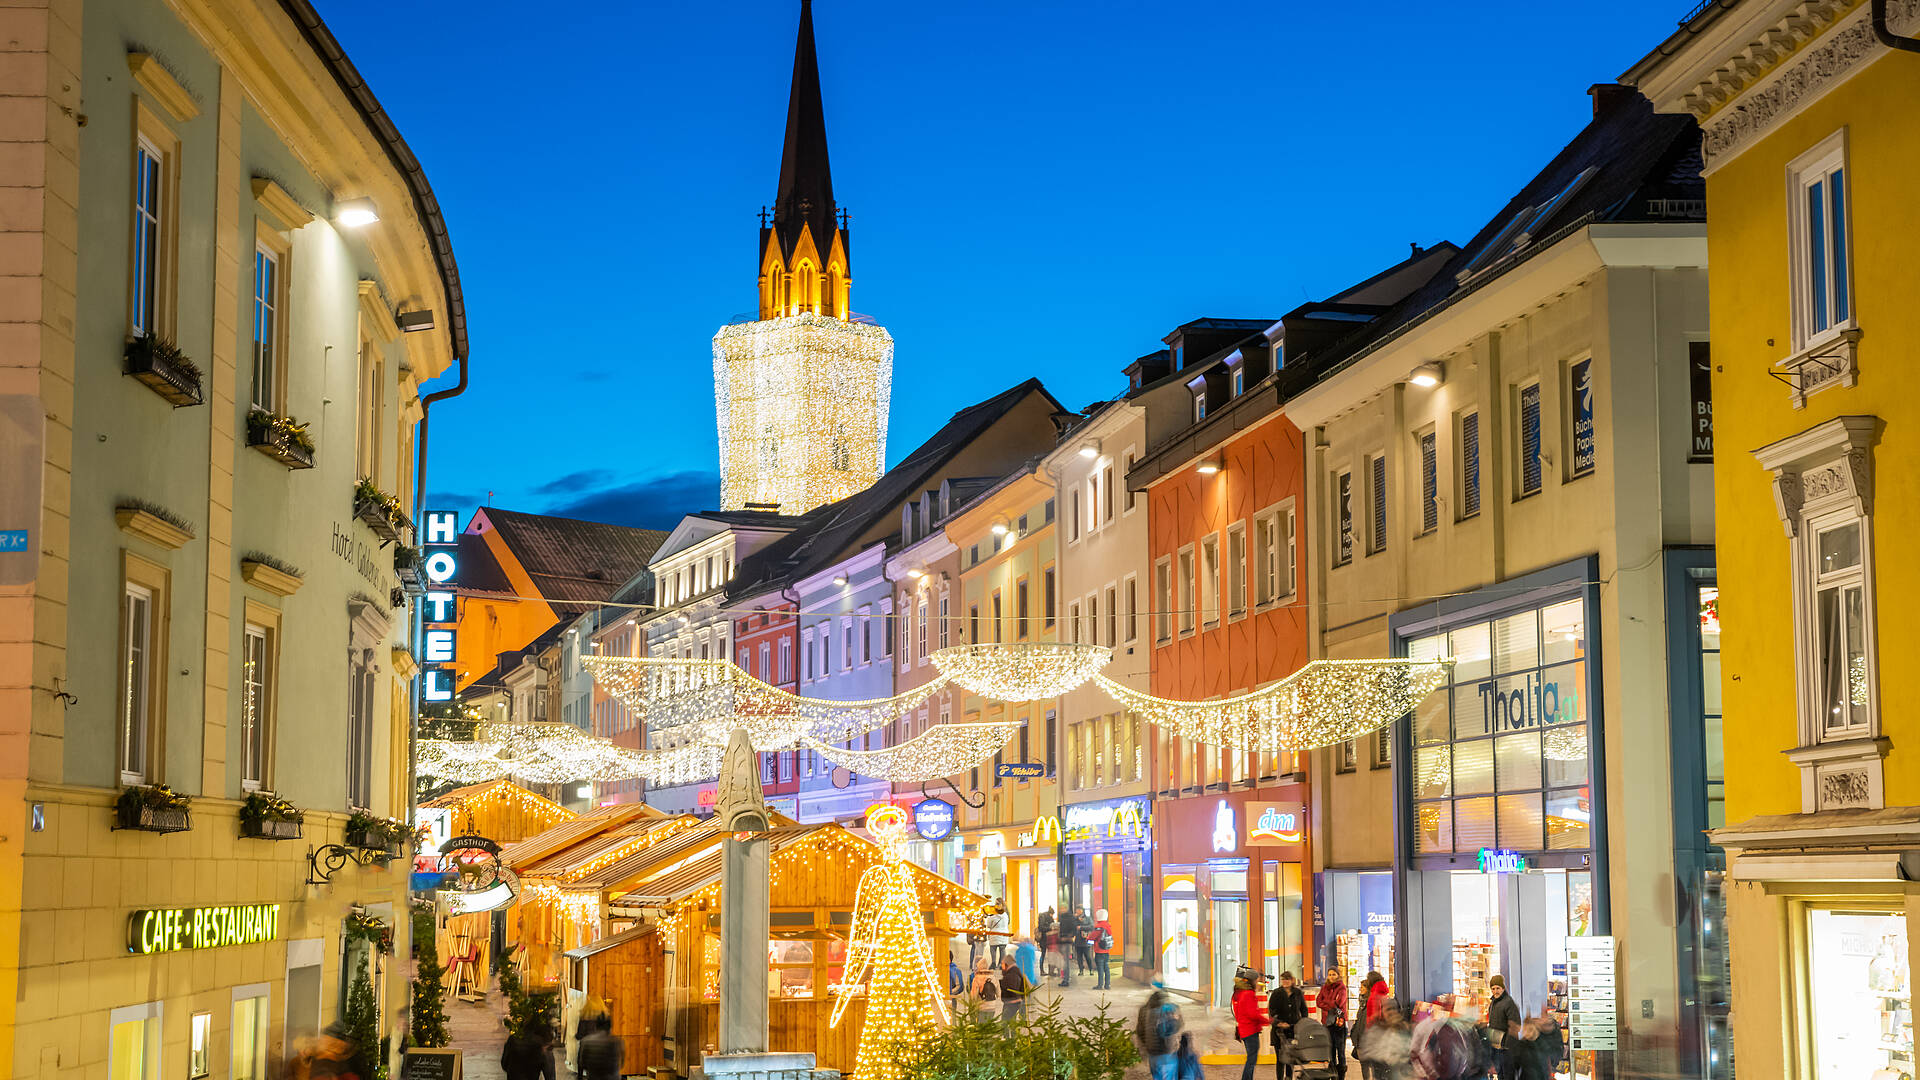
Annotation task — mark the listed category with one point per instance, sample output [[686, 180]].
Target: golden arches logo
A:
[[1127, 821], [1046, 831]]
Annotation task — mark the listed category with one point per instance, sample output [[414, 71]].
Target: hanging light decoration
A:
[[1022, 670], [1324, 703], [889, 954], [550, 752], [710, 698], [940, 751]]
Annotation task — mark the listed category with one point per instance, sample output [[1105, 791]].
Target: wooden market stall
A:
[[657, 967]]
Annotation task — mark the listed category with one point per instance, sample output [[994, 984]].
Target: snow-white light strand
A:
[[941, 751], [710, 698], [1022, 670], [1324, 703]]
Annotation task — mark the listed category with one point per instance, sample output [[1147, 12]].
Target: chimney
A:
[[1609, 96]]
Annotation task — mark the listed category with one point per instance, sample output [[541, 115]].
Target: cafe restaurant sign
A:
[[163, 930]]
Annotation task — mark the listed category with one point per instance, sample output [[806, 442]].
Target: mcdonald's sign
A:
[[1046, 832]]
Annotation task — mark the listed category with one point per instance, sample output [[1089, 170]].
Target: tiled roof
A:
[[830, 533], [569, 560]]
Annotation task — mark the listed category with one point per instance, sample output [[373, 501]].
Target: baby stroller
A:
[[1311, 1051]]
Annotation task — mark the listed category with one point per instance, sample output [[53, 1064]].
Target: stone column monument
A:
[[744, 899]]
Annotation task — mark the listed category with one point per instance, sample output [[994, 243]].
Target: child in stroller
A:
[[1311, 1051]]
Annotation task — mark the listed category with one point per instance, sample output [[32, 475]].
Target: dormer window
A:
[[1199, 405], [1239, 381]]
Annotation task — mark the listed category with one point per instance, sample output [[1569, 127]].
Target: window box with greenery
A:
[[407, 567], [160, 364], [153, 808], [379, 511], [281, 438], [266, 816], [372, 833]]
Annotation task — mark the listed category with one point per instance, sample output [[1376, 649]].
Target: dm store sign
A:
[[442, 566]]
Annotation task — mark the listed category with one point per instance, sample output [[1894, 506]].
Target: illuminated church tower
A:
[[802, 391]]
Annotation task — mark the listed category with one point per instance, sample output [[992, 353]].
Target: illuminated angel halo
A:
[[1018, 671]]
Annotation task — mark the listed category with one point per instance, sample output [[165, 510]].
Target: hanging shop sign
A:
[[1107, 825], [441, 562], [1046, 832], [1275, 824], [1020, 770], [480, 881], [163, 930], [933, 819], [1502, 861]]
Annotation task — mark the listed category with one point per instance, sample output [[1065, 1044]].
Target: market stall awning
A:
[[569, 833]]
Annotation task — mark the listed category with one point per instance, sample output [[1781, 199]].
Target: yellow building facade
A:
[[1810, 148], [224, 285]]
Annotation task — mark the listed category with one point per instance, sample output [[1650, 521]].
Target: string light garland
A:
[[1324, 703], [888, 951], [940, 751], [1023, 670], [801, 402], [552, 752], [579, 906], [710, 698]]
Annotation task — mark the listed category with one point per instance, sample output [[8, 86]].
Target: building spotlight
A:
[[354, 213]]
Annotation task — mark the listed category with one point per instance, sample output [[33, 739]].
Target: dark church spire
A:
[[806, 183]]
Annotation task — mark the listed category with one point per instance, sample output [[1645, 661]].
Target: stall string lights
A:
[[940, 751], [1022, 671], [1325, 703], [888, 951]]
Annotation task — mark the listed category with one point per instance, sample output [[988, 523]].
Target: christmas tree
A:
[[363, 1026], [427, 1016]]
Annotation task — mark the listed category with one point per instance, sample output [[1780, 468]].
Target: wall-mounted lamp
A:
[[412, 321], [354, 213], [840, 580], [1208, 467], [1090, 449], [1428, 374], [999, 528], [916, 573]]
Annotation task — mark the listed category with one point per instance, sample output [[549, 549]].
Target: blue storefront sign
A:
[[933, 819], [1108, 825], [1020, 770]]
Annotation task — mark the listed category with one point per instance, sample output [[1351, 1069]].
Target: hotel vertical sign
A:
[[441, 530]]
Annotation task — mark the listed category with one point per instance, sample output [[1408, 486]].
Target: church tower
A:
[[802, 391]]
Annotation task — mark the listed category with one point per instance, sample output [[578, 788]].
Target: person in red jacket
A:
[[1332, 1003], [1249, 1016]]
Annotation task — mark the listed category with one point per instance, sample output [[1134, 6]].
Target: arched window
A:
[[806, 287]]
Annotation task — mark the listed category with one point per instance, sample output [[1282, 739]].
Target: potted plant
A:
[[407, 567], [159, 363], [379, 511], [266, 816], [371, 833], [152, 808], [370, 929], [281, 438]]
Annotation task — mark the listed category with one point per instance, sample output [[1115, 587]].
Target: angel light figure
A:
[[887, 949]]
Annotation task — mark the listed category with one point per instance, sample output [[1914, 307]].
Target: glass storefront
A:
[[1860, 994], [1107, 867], [1180, 920], [1360, 932]]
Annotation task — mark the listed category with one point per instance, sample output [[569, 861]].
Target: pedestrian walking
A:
[[984, 990], [1249, 1017], [1154, 1027], [1068, 928], [1333, 1013], [1503, 1029], [1013, 991], [1543, 1045], [956, 979], [1043, 937], [528, 1056], [599, 1055], [1373, 991], [1102, 951], [997, 931], [1286, 1006], [1083, 942], [1387, 1046], [1024, 955]]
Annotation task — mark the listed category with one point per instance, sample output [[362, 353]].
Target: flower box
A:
[[158, 819], [280, 446], [365, 840], [270, 829], [406, 567], [165, 370], [376, 517]]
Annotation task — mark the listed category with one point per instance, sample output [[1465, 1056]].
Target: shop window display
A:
[[1180, 936], [1860, 995]]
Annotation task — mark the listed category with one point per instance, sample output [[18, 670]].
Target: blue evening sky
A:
[[1037, 188]]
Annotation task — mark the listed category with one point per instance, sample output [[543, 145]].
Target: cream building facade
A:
[[210, 259]]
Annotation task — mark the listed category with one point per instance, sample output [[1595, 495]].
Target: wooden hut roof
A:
[[606, 943], [540, 846], [634, 840]]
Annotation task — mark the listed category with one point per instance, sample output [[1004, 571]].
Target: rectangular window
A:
[[1347, 757], [136, 663], [1073, 531], [1239, 382], [1528, 464], [1049, 601], [256, 703], [1209, 590], [1093, 619], [1132, 587], [746, 658], [847, 644], [973, 623], [1580, 412], [249, 1032], [1052, 739], [1128, 459], [1189, 591], [266, 316], [1020, 608], [1106, 494], [1382, 741], [1429, 481], [133, 1042], [1093, 502], [1199, 406], [1113, 617], [1343, 518], [1841, 623], [1162, 600], [1820, 228], [1377, 503], [1073, 622], [945, 619], [786, 659], [1469, 470], [920, 637], [150, 219], [1237, 570], [360, 731], [366, 449], [766, 661], [865, 621], [999, 616]]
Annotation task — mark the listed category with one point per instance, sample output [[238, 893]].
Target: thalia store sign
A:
[[441, 562]]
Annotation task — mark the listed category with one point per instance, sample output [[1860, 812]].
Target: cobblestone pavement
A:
[[477, 1030]]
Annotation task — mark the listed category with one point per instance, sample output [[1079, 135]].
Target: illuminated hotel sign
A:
[[1275, 824], [440, 537], [163, 930]]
